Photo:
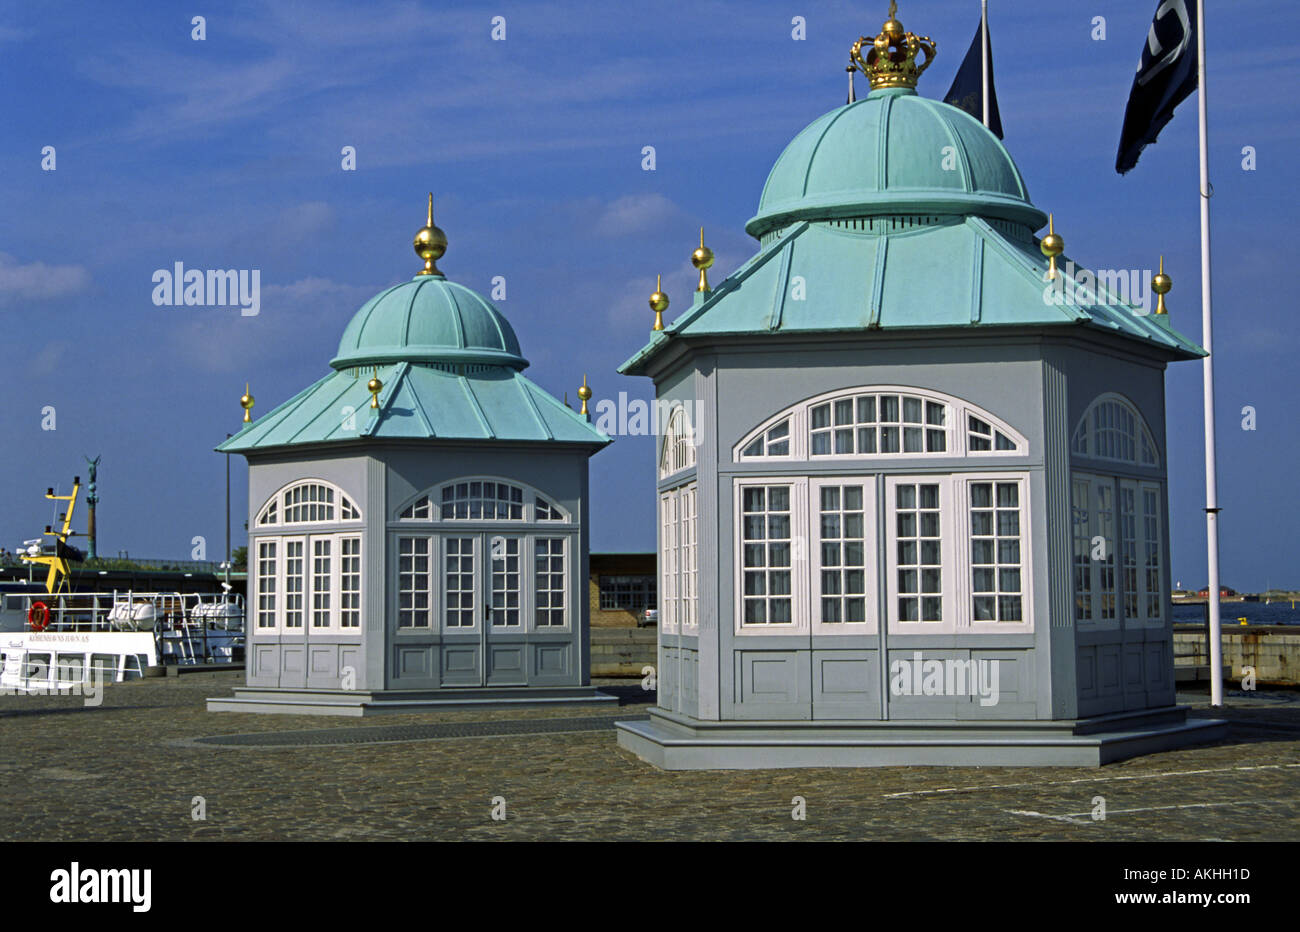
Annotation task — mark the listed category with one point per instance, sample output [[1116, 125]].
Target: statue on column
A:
[[91, 500]]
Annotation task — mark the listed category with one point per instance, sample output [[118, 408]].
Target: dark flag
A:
[[1165, 78], [967, 91]]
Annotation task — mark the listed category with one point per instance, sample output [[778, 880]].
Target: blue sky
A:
[[225, 153]]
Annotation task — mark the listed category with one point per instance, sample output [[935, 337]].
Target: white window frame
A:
[[563, 590], [678, 587], [258, 576], [432, 497], [338, 609], [283, 584], [438, 598], [1097, 592], [273, 512], [678, 452], [1083, 441], [280, 575], [965, 617], [1114, 548], [481, 542], [957, 412], [668, 545], [871, 568], [951, 567], [799, 615]]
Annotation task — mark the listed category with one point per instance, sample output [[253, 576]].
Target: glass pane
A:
[[821, 416], [912, 410], [866, 409]]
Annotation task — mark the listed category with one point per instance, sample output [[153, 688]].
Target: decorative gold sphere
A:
[[702, 258], [658, 302], [374, 386], [584, 392], [246, 401], [1162, 284], [430, 244], [1052, 245]]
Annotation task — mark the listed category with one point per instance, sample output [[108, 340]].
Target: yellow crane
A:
[[57, 560]]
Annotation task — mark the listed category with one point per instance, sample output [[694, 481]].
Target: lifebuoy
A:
[[38, 616]]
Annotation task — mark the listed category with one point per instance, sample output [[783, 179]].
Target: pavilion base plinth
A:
[[671, 741], [374, 702]]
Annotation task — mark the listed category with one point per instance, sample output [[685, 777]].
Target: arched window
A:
[[482, 499], [880, 421], [310, 501], [1113, 429], [679, 444]]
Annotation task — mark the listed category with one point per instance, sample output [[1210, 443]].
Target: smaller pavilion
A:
[[418, 519]]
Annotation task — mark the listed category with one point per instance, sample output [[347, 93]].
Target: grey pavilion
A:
[[418, 519]]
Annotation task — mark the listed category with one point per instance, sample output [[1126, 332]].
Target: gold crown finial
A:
[[374, 386], [659, 302], [584, 392], [1162, 284], [702, 259], [430, 244], [890, 60], [246, 402], [1052, 246]]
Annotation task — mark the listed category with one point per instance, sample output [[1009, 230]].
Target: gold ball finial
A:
[[584, 392], [892, 27], [374, 386], [659, 302], [246, 402], [702, 259], [1052, 245], [430, 244], [1162, 284]]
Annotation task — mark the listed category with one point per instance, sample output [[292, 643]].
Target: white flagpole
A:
[[1211, 473], [984, 56]]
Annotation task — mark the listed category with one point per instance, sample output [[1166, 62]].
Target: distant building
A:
[[621, 587], [1224, 592]]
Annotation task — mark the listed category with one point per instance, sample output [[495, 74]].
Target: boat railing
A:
[[174, 613]]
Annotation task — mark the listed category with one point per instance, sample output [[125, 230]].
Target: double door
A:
[[484, 631]]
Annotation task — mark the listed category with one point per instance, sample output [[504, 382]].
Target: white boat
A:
[[49, 661], [116, 636]]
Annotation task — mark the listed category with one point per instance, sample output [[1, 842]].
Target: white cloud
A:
[[298, 325], [636, 213], [38, 281]]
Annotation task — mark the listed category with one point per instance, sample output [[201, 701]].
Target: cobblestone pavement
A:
[[130, 768]]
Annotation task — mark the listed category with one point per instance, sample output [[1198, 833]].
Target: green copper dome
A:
[[429, 319], [894, 152]]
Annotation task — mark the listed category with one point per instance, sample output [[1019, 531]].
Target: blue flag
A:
[[967, 91], [1165, 78]]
